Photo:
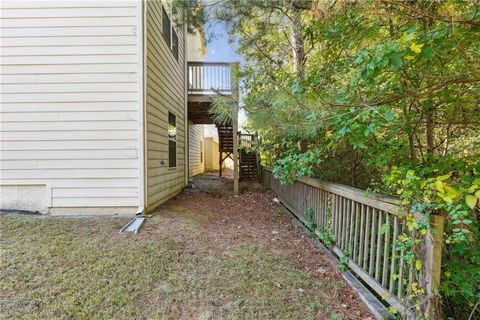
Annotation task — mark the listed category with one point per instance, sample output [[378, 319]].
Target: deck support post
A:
[[236, 189], [220, 162], [235, 87]]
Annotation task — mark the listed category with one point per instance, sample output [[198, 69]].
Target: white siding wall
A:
[[196, 149], [165, 85], [69, 115]]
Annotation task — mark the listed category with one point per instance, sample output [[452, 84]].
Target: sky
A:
[[219, 47]]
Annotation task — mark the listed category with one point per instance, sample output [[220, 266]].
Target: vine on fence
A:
[[325, 234], [444, 195]]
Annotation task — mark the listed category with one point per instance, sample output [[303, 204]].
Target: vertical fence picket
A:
[[355, 238], [353, 213], [379, 246], [372, 242], [338, 232], [386, 251], [360, 240], [327, 203], [393, 260], [401, 268], [320, 209], [333, 212], [346, 216], [344, 221], [367, 239]]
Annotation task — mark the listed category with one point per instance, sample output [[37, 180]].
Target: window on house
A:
[[169, 32], [175, 44], [172, 140], [166, 27], [201, 151]]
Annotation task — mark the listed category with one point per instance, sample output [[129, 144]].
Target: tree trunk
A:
[[430, 129], [410, 133], [298, 46], [298, 50]]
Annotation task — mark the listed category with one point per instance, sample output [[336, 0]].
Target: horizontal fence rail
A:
[[209, 77], [362, 228]]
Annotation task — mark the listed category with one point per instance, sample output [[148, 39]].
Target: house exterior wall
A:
[[165, 92], [211, 154], [69, 107], [196, 149], [196, 46]]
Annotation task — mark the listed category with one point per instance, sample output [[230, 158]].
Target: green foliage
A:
[[326, 236], [343, 265], [311, 224], [225, 107], [294, 166], [453, 194], [463, 264]]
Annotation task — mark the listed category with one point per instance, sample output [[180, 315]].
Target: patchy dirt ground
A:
[[211, 184], [198, 257]]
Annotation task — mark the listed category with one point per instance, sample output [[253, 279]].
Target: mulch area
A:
[[253, 218]]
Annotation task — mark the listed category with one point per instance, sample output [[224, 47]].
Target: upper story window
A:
[[175, 44], [166, 27], [169, 33]]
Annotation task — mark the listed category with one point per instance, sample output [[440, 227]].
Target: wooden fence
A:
[[363, 229]]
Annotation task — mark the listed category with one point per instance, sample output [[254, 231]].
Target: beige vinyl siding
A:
[[211, 154], [165, 87], [196, 149], [69, 109]]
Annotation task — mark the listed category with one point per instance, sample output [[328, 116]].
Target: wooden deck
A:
[[205, 80], [198, 106]]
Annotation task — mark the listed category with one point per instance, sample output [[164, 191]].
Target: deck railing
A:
[[209, 77], [245, 140], [364, 230]]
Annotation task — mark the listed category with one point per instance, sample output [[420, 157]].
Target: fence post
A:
[[432, 260]]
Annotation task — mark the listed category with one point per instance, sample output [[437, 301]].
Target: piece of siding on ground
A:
[[69, 115], [196, 149], [165, 86]]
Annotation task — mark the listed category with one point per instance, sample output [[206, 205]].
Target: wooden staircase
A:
[[225, 144], [248, 161], [248, 166], [225, 138]]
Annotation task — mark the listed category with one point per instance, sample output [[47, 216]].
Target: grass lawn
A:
[[198, 257]]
